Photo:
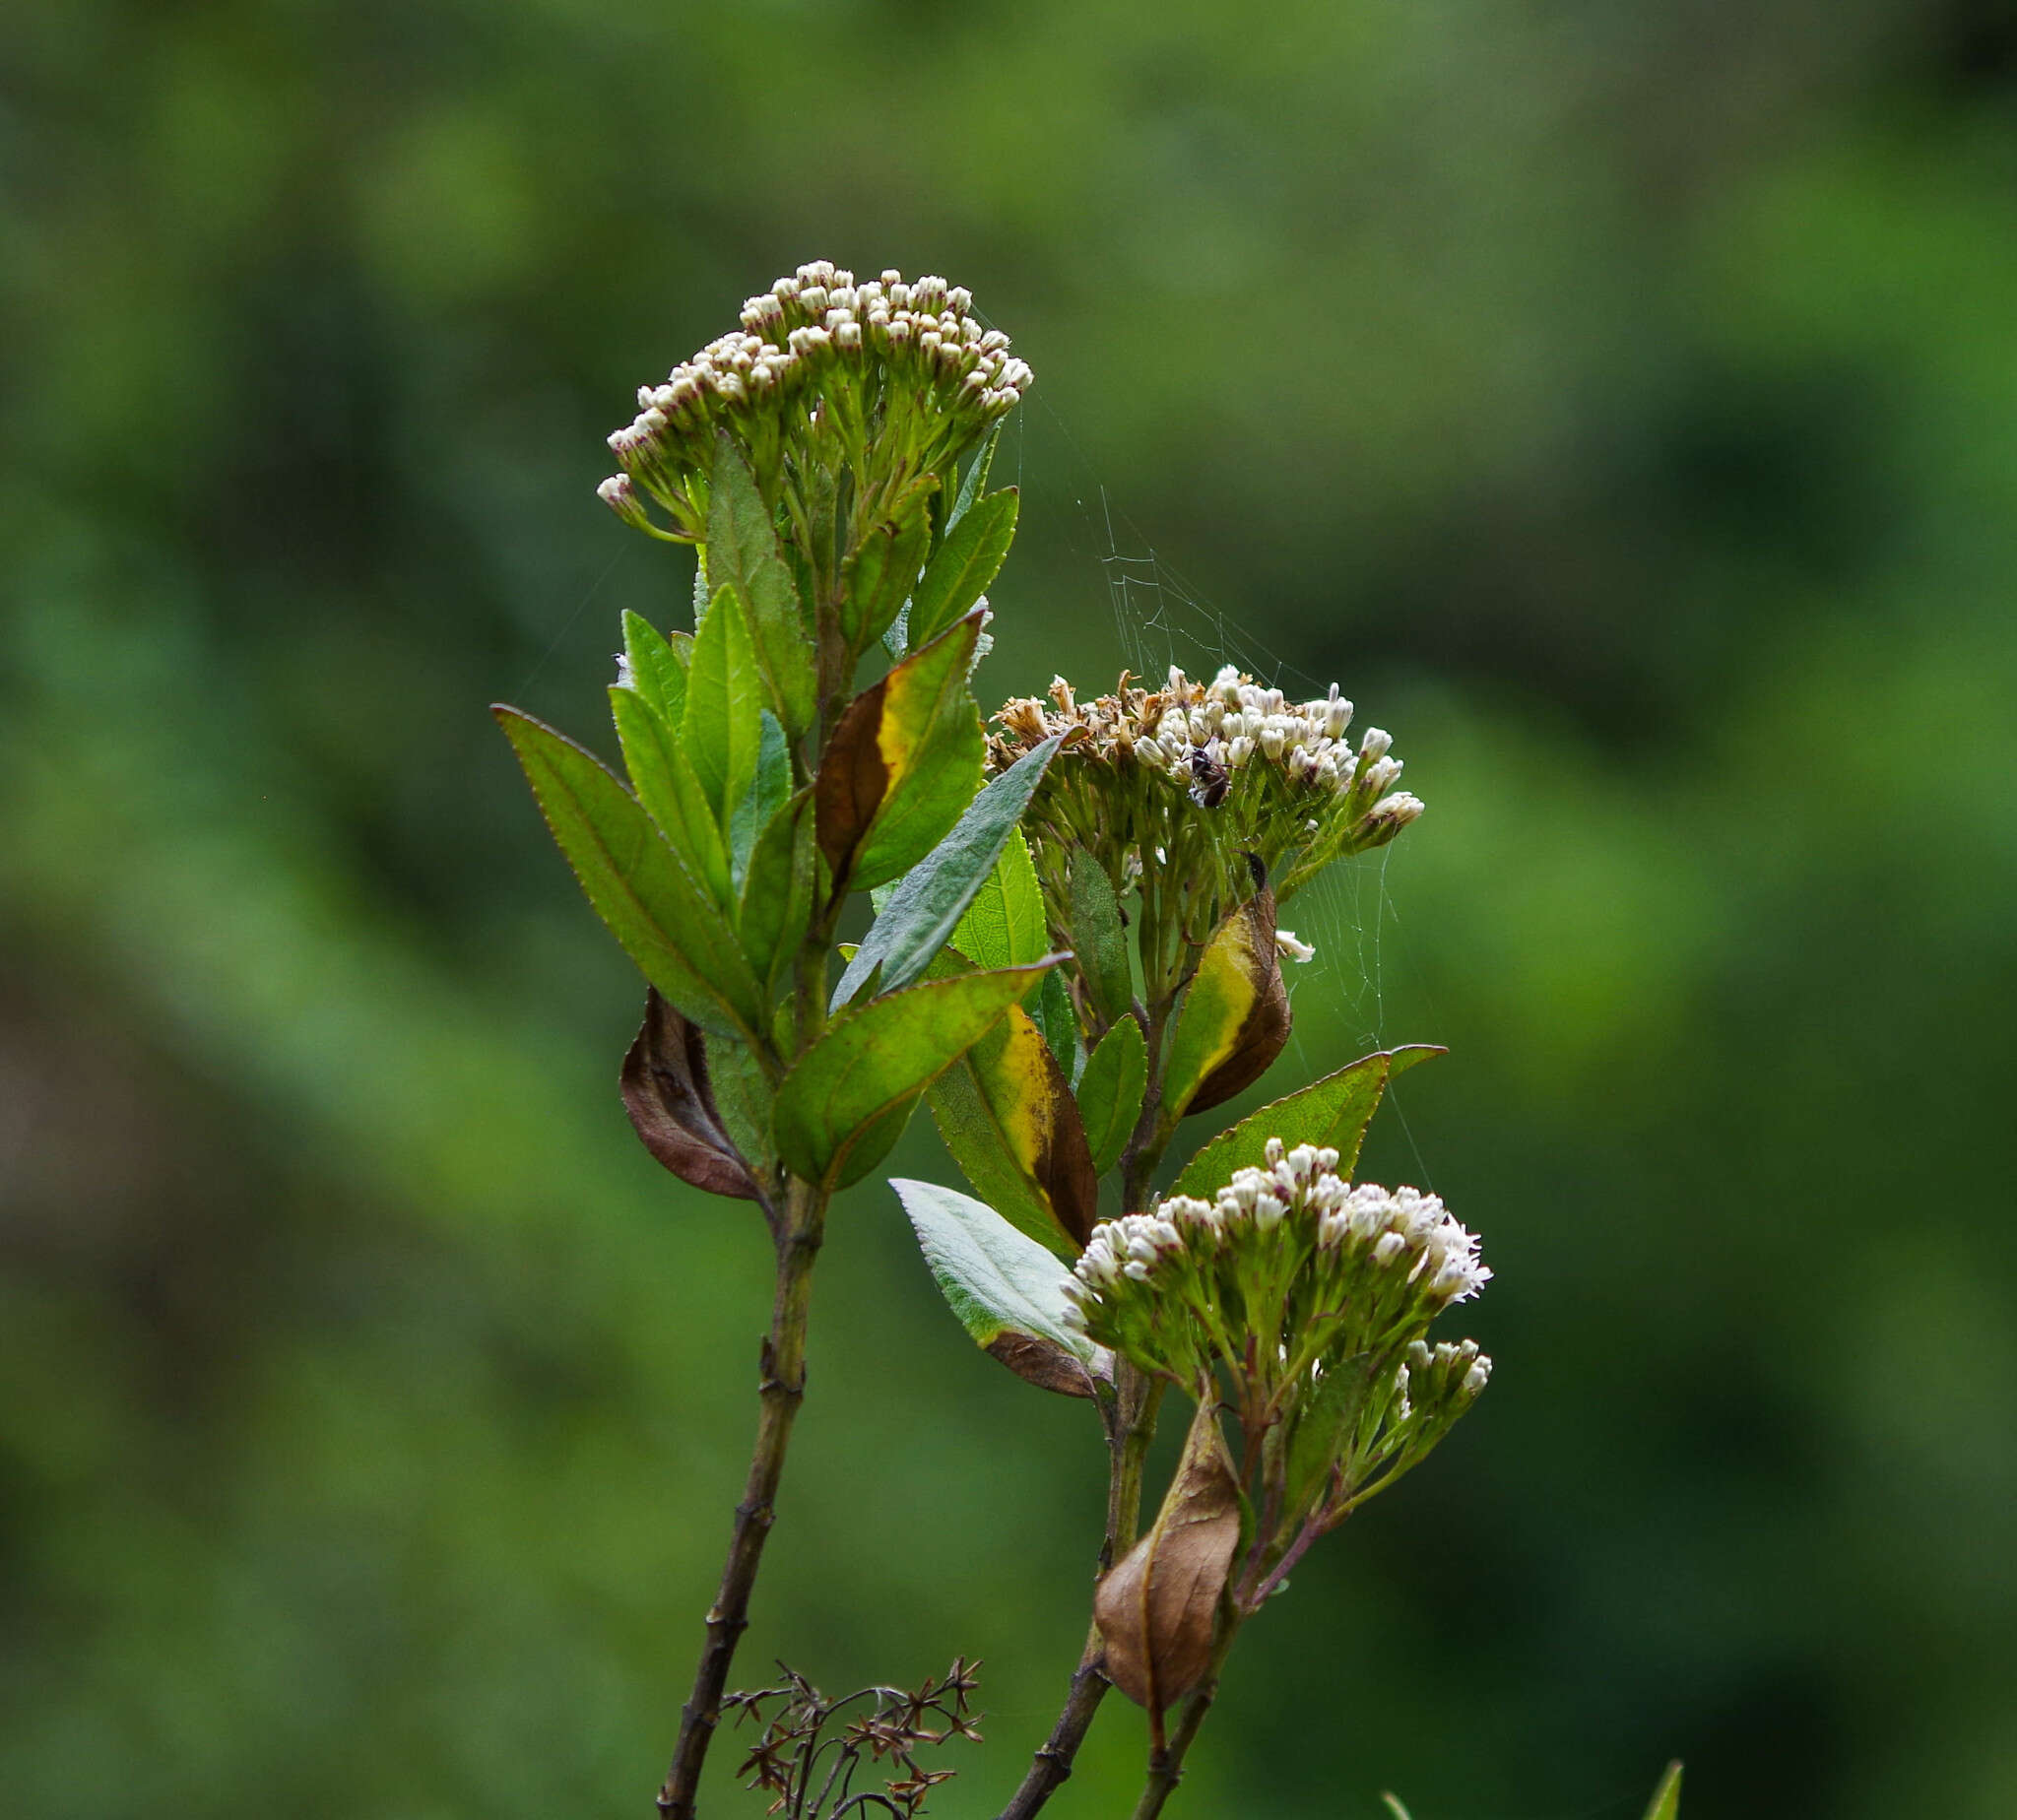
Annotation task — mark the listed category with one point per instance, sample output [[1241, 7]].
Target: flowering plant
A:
[[1075, 949]]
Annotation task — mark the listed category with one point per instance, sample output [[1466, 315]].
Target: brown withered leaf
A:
[[672, 1107], [902, 763], [1046, 1364], [1264, 1033], [853, 780], [1158, 1606]]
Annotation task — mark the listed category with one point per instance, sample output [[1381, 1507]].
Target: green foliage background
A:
[[1620, 399]]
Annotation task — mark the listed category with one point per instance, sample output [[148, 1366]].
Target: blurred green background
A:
[[1620, 399]]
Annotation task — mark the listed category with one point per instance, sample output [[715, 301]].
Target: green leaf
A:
[[928, 904], [1110, 1091], [1005, 1287], [1326, 1422], [670, 792], [1055, 1017], [657, 669], [1003, 926], [970, 557], [722, 731], [902, 763], [847, 1087], [778, 892], [976, 478], [1234, 1017], [1331, 1113], [743, 1097], [1099, 940], [665, 920], [881, 574], [1666, 1798], [743, 552], [767, 795], [1006, 1112]]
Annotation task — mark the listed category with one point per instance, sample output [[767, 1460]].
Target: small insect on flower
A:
[[1210, 779]]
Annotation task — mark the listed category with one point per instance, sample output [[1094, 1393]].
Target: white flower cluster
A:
[[799, 326], [1388, 1225], [1430, 1370], [1389, 1242], [1218, 730]]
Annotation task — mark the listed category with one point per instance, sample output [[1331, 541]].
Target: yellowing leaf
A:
[[902, 763], [854, 1087], [1007, 1116], [1234, 1019]]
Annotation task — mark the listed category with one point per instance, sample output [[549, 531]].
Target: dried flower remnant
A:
[[896, 379], [1202, 784], [811, 1749]]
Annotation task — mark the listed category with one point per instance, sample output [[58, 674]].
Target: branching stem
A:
[[781, 1389], [1166, 1765]]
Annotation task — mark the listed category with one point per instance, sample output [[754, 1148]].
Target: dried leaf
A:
[[671, 1103], [1157, 1607], [902, 763], [1235, 1017]]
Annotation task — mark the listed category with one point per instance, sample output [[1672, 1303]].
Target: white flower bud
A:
[[1398, 809], [1379, 774]]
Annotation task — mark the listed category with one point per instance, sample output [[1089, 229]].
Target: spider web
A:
[[1160, 620]]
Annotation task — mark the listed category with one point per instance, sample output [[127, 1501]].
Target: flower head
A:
[[1203, 782], [1289, 1293], [896, 376]]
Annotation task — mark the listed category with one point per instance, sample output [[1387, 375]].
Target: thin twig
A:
[[781, 1389], [1166, 1765]]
